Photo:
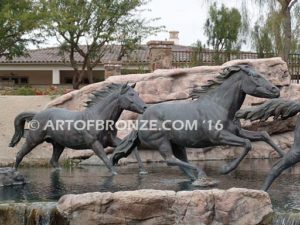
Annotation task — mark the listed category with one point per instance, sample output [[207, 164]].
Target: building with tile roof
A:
[[48, 66]]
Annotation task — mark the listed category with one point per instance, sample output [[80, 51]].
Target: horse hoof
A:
[[205, 182], [114, 173], [115, 159], [143, 172], [56, 168], [224, 170]]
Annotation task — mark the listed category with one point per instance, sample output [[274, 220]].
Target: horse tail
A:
[[19, 127], [278, 108], [126, 146]]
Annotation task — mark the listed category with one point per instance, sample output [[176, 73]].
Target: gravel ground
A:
[[10, 107]]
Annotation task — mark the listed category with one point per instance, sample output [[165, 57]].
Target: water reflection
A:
[[12, 193], [57, 187], [48, 185]]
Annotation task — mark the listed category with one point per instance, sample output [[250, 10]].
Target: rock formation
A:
[[176, 84], [234, 206]]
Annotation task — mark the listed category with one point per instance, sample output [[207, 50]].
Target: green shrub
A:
[[25, 91]]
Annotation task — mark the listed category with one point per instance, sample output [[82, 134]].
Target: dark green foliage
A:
[[17, 21], [279, 27], [262, 40], [223, 28], [89, 27]]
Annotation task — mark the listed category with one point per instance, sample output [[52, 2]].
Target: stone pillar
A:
[[174, 36], [160, 54], [112, 69], [55, 76]]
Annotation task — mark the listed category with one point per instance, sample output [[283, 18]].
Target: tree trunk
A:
[[90, 75], [287, 34], [77, 79]]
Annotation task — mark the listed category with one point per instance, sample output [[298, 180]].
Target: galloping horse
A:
[[278, 108], [106, 105], [220, 99]]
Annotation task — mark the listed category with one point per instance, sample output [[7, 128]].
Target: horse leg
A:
[[180, 153], [261, 136], [166, 152], [99, 151], [139, 160], [228, 138], [116, 141], [290, 158], [26, 148], [57, 151]]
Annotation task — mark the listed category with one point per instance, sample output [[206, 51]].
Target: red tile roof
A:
[[53, 56]]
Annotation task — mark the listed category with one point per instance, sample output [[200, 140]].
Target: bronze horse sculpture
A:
[[279, 109], [218, 101], [106, 104]]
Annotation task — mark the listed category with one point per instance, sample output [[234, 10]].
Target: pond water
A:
[[49, 185]]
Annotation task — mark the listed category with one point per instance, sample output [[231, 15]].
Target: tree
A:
[[197, 53], [262, 40], [282, 14], [90, 27], [223, 28], [18, 19]]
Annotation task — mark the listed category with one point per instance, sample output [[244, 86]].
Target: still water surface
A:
[[46, 184]]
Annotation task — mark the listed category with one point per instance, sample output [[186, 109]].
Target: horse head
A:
[[129, 99], [256, 85]]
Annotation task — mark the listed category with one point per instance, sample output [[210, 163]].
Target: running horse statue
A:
[[214, 111], [279, 109], [105, 105]]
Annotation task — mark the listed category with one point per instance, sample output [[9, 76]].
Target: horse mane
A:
[[278, 108], [100, 95], [217, 81]]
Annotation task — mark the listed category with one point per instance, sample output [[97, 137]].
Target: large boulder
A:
[[211, 207], [176, 84]]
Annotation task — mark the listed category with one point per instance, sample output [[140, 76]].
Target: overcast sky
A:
[[188, 17]]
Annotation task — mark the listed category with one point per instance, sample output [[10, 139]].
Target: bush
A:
[[25, 91]]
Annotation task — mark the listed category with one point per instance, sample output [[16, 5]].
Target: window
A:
[[14, 80], [24, 80], [68, 80]]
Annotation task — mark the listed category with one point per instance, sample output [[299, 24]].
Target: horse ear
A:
[[133, 85], [124, 88]]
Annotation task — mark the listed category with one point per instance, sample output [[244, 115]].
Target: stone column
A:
[[112, 69], [55, 76], [160, 54]]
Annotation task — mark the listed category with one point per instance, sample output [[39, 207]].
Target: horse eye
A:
[[131, 94]]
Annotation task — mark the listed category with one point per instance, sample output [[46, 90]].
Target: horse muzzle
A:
[[275, 92]]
